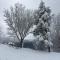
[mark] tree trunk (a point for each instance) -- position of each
(48, 48)
(21, 42)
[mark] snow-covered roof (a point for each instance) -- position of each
(30, 37)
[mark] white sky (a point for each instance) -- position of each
(31, 4)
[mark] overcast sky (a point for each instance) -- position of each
(31, 4)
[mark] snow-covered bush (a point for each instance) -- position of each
(11, 43)
(39, 42)
(42, 44)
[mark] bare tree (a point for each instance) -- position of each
(19, 21)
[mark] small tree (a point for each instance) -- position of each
(19, 21)
(42, 20)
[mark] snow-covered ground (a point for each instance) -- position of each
(9, 53)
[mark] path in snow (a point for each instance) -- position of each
(9, 53)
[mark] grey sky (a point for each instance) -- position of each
(31, 4)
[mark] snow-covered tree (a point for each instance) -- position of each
(42, 19)
(19, 20)
(56, 41)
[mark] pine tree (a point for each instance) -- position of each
(42, 21)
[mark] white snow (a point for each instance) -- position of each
(30, 37)
(9, 53)
(32, 28)
(39, 37)
(48, 43)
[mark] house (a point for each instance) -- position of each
(28, 41)
(31, 41)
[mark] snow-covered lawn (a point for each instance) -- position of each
(9, 53)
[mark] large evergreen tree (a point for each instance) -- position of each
(42, 19)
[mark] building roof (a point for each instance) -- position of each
(30, 37)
